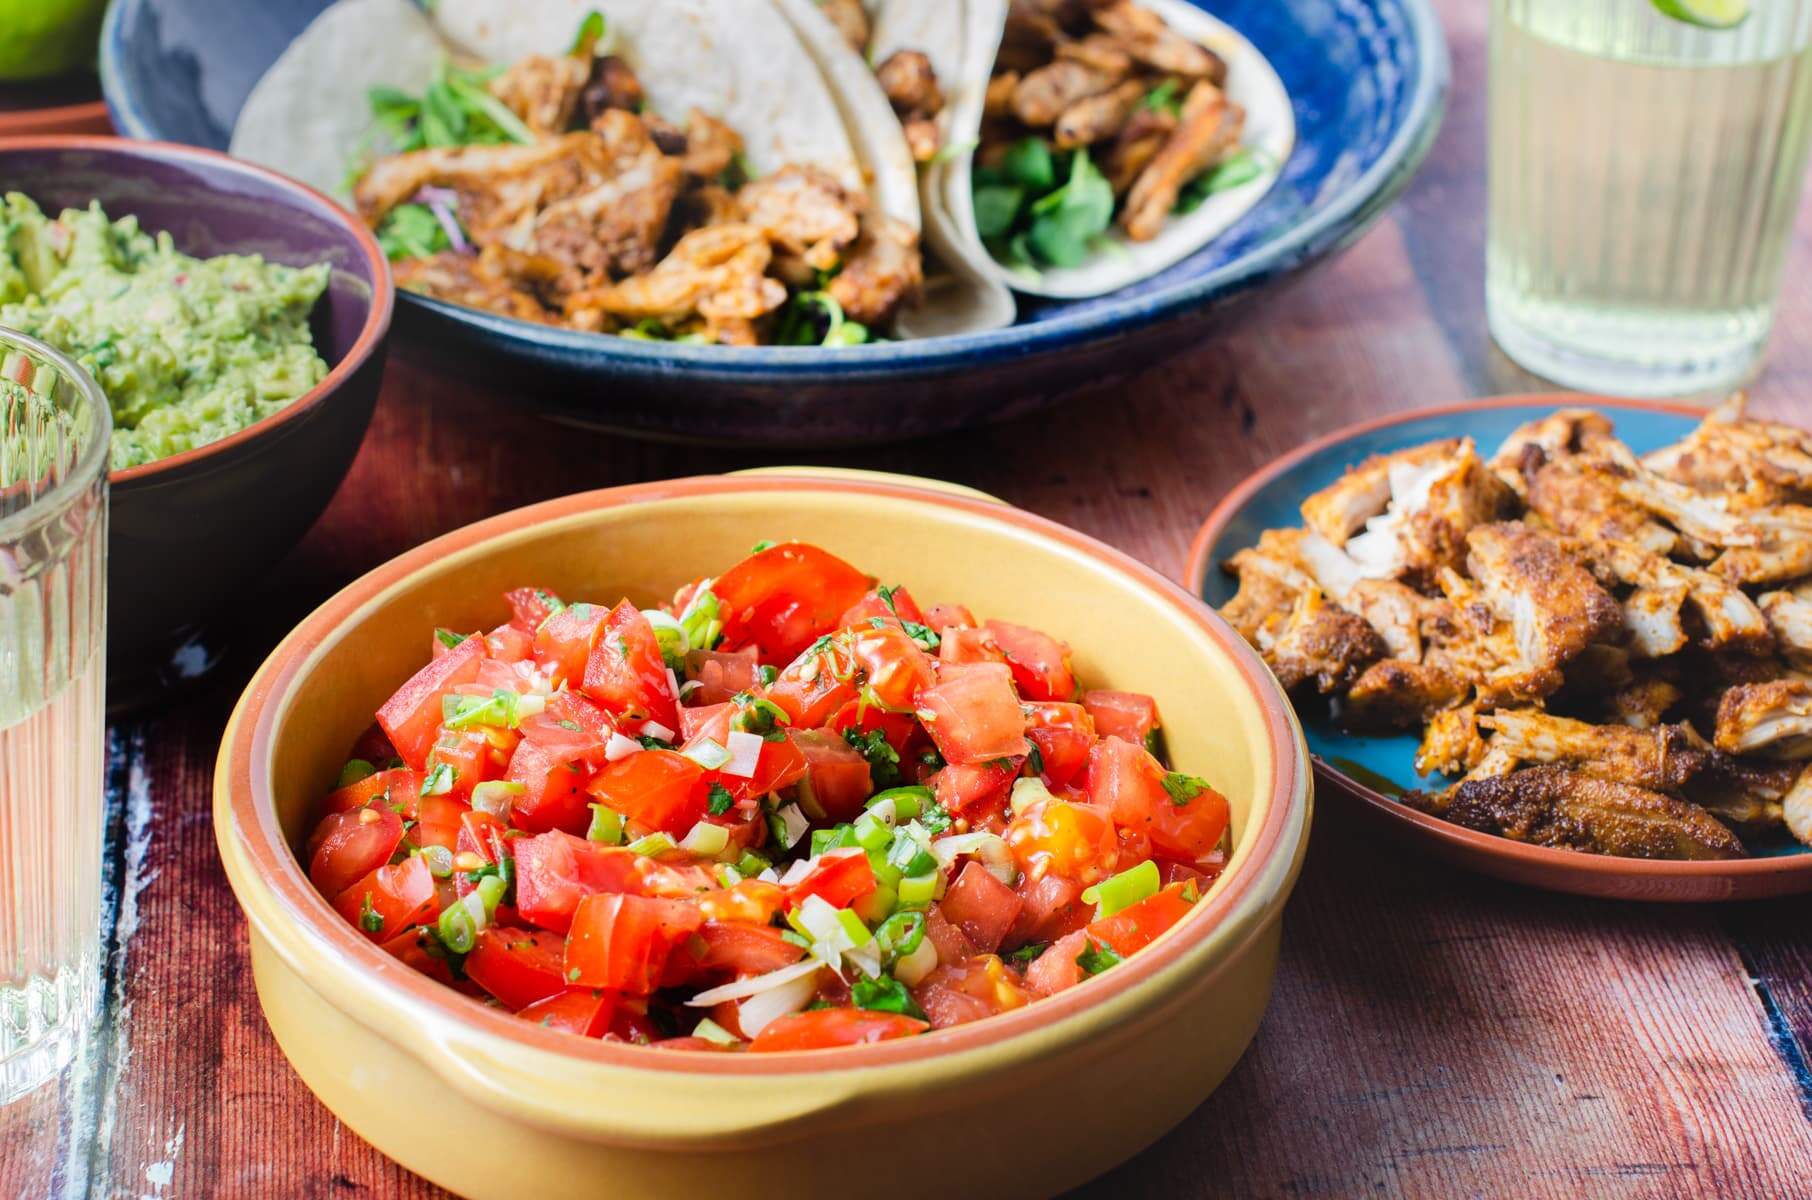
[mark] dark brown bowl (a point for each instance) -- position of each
(191, 534)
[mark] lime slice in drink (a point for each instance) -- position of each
(1712, 14)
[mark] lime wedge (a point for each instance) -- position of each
(1711, 14)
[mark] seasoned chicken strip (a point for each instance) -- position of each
(1206, 127)
(1555, 436)
(1796, 808)
(1043, 95)
(1147, 38)
(1322, 642)
(1772, 719)
(543, 91)
(1415, 507)
(1731, 619)
(1552, 806)
(1553, 604)
(882, 271)
(1451, 744)
(1643, 703)
(1098, 118)
(1661, 759)
(803, 212)
(1578, 496)
(1651, 617)
(717, 273)
(1744, 791)
(1400, 695)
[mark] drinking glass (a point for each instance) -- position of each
(54, 436)
(1643, 180)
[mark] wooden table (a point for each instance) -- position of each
(1432, 1034)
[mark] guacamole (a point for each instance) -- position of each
(187, 350)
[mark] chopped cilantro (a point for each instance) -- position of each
(721, 800)
(1026, 954)
(883, 759)
(1183, 788)
(370, 920)
(440, 779)
(652, 743)
(884, 994)
(448, 638)
(1034, 761)
(1098, 958)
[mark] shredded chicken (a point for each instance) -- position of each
(717, 274)
(1660, 759)
(851, 20)
(1771, 719)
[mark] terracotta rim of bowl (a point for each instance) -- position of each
(85, 118)
(1536, 861)
(245, 757)
(377, 319)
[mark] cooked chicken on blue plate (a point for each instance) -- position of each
(1602, 652)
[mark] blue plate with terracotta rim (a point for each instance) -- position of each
(1373, 770)
(1368, 79)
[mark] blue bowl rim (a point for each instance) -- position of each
(1793, 871)
(371, 333)
(1401, 155)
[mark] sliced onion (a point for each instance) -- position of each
(990, 848)
(741, 989)
(620, 747)
(799, 870)
(912, 968)
(796, 824)
(758, 1012)
(745, 753)
(655, 729)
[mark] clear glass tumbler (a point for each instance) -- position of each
(55, 431)
(1644, 176)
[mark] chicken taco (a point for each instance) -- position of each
(680, 171)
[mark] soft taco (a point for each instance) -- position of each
(681, 170)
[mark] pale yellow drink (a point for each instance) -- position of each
(53, 549)
(1644, 178)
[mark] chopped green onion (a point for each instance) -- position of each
(705, 840)
(871, 833)
(1123, 890)
(606, 826)
(355, 770)
(837, 837)
(714, 1033)
(495, 796)
(707, 754)
(439, 860)
(497, 710)
(702, 620)
(439, 780)
(876, 906)
(901, 933)
(370, 919)
(670, 636)
(908, 802)
(489, 891)
(654, 845)
(458, 925)
(448, 638)
(758, 715)
(1027, 791)
(591, 32)
(919, 889)
(751, 864)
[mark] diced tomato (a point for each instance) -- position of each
(374, 746)
(389, 900)
(968, 789)
(968, 646)
(411, 718)
(571, 728)
(657, 789)
(584, 1011)
(625, 672)
(969, 991)
(564, 641)
(872, 607)
(555, 871)
(439, 821)
(475, 755)
(1057, 837)
(823, 1028)
(347, 846)
(706, 724)
(553, 793)
(518, 966)
(529, 607)
(633, 1024)
(975, 716)
(1130, 716)
(365, 791)
(411, 950)
(753, 901)
(721, 675)
(948, 616)
(1050, 908)
(483, 835)
(1063, 755)
(1129, 783)
(837, 776)
(814, 685)
(894, 667)
(840, 879)
(952, 944)
(1041, 663)
(780, 765)
(743, 949)
(981, 906)
(781, 598)
(1136, 926)
(1176, 872)
(622, 942)
(509, 644)
(1057, 967)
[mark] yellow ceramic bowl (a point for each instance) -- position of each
(1026, 1103)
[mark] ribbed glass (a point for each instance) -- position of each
(54, 433)
(1644, 175)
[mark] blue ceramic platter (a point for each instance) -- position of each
(1378, 768)
(1368, 79)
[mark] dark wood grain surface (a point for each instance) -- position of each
(1432, 1034)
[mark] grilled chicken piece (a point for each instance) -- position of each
(851, 20)
(1773, 719)
(1138, 143)
(543, 91)
(1451, 744)
(1744, 791)
(1042, 95)
(1771, 544)
(1395, 611)
(1643, 703)
(1553, 605)
(910, 83)
(1651, 617)
(1763, 462)
(1207, 126)
(1098, 50)
(392, 180)
(1323, 642)
(1789, 616)
(469, 280)
(1415, 506)
(711, 145)
(1789, 558)
(1400, 695)
(1269, 583)
(1466, 639)
(1577, 496)
(1566, 432)
(1147, 38)
(1098, 117)
(803, 212)
(1732, 621)
(1796, 808)
(1553, 806)
(1661, 759)
(718, 273)
(882, 271)
(998, 103)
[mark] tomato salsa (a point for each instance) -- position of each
(789, 809)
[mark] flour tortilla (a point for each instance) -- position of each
(736, 60)
(308, 115)
(1270, 133)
